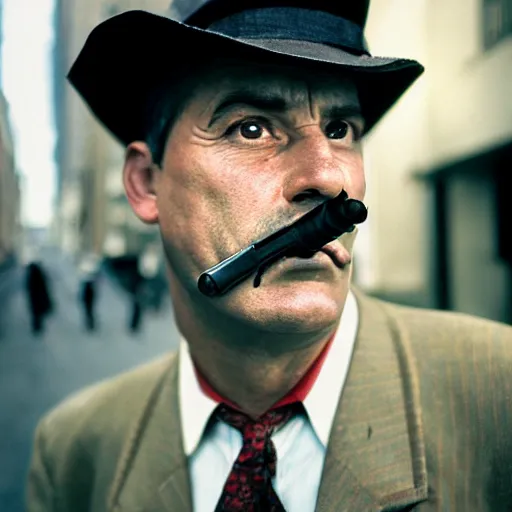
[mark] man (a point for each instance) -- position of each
(299, 394)
(88, 290)
(38, 294)
(88, 296)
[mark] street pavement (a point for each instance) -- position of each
(36, 373)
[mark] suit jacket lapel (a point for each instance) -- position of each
(375, 458)
(152, 475)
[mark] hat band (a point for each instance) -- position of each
(293, 23)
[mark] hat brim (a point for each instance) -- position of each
(127, 56)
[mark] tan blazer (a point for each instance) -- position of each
(424, 423)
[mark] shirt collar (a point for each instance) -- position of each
(322, 401)
(196, 408)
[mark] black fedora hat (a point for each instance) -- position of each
(326, 33)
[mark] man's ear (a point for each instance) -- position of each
(139, 181)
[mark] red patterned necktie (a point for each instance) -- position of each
(249, 485)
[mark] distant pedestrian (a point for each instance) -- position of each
(88, 297)
(89, 270)
(38, 294)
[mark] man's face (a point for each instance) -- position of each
(255, 148)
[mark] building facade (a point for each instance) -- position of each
(92, 216)
(438, 165)
(1, 38)
(10, 228)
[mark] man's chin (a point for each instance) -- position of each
(293, 307)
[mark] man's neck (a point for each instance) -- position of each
(253, 370)
(254, 381)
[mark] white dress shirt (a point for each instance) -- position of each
(300, 444)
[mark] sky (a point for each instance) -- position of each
(27, 85)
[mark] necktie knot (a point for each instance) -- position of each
(260, 427)
(249, 487)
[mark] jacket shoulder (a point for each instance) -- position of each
(460, 366)
(462, 361)
(451, 332)
(78, 443)
(109, 404)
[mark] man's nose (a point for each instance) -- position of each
(314, 171)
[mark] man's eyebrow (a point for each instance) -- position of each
(252, 99)
(343, 111)
(276, 103)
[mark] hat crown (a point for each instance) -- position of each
(203, 13)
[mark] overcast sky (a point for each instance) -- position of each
(27, 85)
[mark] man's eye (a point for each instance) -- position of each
(338, 129)
(251, 130)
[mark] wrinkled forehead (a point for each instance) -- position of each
(298, 85)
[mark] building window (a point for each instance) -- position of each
(497, 21)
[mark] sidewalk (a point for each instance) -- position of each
(38, 372)
(10, 280)
(8, 271)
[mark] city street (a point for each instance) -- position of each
(37, 372)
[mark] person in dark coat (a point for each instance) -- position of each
(39, 299)
(88, 300)
(89, 270)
